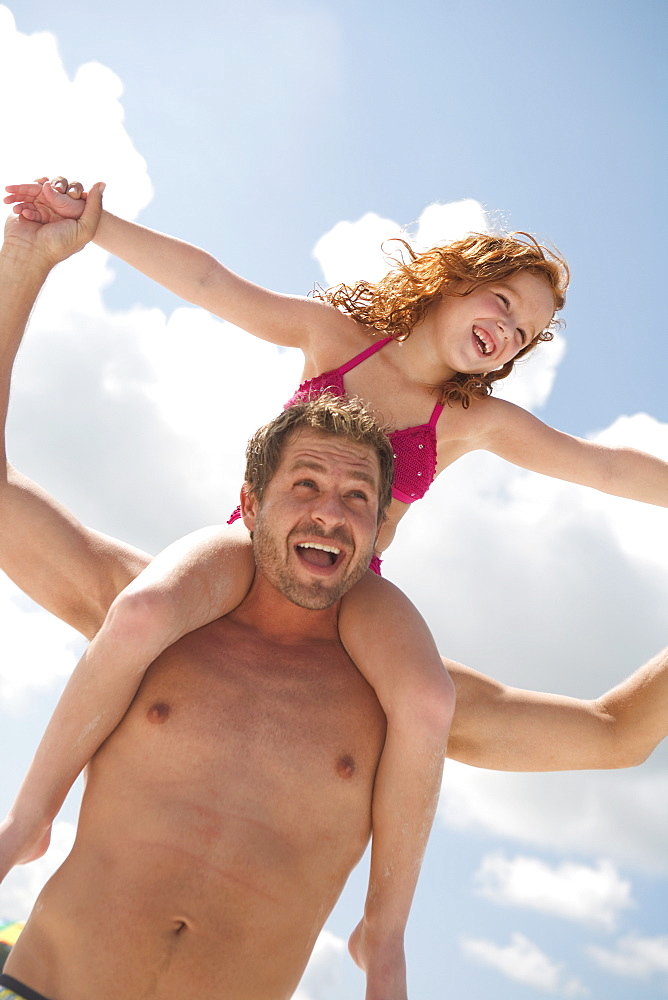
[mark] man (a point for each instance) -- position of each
(224, 814)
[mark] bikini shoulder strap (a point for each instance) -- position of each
(359, 358)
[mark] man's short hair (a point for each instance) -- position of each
(336, 415)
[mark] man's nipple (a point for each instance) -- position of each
(345, 766)
(158, 712)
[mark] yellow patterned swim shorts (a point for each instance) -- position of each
(10, 986)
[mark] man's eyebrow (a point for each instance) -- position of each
(311, 463)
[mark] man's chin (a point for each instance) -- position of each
(318, 594)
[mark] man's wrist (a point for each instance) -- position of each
(26, 259)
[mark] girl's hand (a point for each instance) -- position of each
(47, 200)
(40, 233)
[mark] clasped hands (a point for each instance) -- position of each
(51, 219)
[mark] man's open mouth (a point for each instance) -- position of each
(318, 554)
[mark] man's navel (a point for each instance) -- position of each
(158, 712)
(345, 766)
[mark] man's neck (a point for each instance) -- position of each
(270, 612)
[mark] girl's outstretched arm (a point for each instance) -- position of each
(520, 438)
(394, 650)
(189, 272)
(192, 582)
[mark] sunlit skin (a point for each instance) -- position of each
(315, 529)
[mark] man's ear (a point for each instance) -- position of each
(249, 505)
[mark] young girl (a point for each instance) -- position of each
(423, 346)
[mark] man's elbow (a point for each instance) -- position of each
(625, 745)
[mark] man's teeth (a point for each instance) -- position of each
(323, 548)
(331, 552)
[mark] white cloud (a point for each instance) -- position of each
(80, 133)
(351, 251)
(440, 223)
(640, 532)
(585, 812)
(635, 956)
(38, 650)
(593, 895)
(24, 883)
(524, 962)
(325, 968)
(530, 383)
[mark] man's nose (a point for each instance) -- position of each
(328, 510)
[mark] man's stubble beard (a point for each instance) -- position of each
(270, 559)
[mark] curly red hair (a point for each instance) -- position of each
(399, 301)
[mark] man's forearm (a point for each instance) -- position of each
(22, 275)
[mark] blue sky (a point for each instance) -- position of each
(257, 130)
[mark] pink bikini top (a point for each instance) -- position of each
(414, 447)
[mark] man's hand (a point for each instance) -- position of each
(37, 231)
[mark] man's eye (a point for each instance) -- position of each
(306, 482)
(358, 495)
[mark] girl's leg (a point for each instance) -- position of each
(394, 650)
(194, 581)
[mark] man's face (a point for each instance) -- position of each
(314, 532)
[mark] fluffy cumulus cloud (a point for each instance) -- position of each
(367, 247)
(594, 895)
(623, 814)
(38, 651)
(326, 967)
(635, 957)
(524, 962)
(81, 130)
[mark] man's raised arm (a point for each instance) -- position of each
(72, 571)
(68, 569)
(509, 729)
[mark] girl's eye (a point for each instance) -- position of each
(503, 298)
(523, 336)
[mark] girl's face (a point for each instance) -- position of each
(482, 331)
